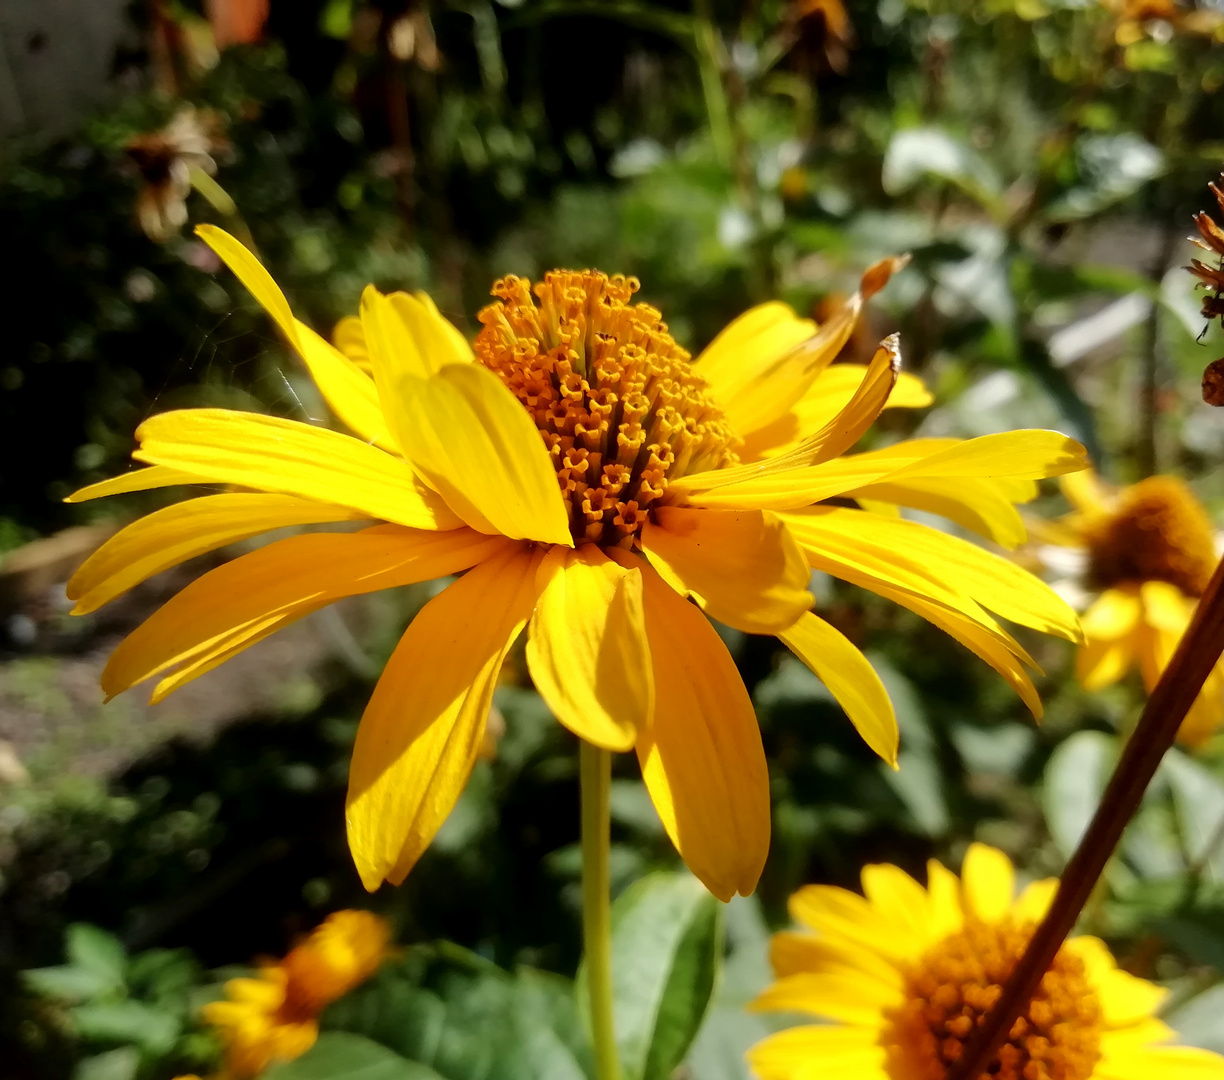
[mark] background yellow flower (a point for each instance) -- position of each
(1150, 551)
(905, 972)
(274, 1016)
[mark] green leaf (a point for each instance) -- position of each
(1074, 780)
(339, 1055)
(159, 973)
(667, 951)
(1111, 167)
(69, 983)
(1198, 798)
(929, 151)
(467, 1019)
(92, 948)
(120, 1064)
(155, 1030)
(1197, 1021)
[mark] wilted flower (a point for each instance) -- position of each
(825, 34)
(165, 159)
(905, 974)
(274, 1016)
(589, 479)
(1137, 19)
(1150, 551)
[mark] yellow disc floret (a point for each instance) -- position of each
(618, 405)
(952, 987)
(1158, 531)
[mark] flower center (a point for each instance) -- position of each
(1157, 532)
(618, 405)
(952, 988)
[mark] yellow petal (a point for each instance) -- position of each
(792, 952)
(348, 390)
(1035, 900)
(702, 759)
(840, 915)
(993, 582)
(403, 339)
(155, 476)
(180, 532)
(865, 404)
(345, 387)
(980, 635)
(981, 506)
(472, 442)
(424, 724)
(989, 882)
(216, 651)
(829, 394)
(1085, 491)
(836, 385)
(1166, 607)
(1162, 1063)
(1206, 715)
(749, 346)
(1113, 615)
(349, 338)
(850, 998)
(1126, 999)
(587, 650)
(405, 336)
(1023, 455)
(267, 453)
(1133, 1036)
(1099, 664)
(899, 899)
(850, 679)
(743, 567)
(838, 435)
(765, 361)
(944, 890)
(437, 337)
(811, 1051)
(846, 547)
(250, 271)
(286, 577)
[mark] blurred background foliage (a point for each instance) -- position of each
(1038, 158)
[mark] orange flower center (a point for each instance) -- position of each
(952, 988)
(1157, 532)
(616, 400)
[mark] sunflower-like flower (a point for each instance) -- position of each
(905, 974)
(590, 480)
(1150, 551)
(274, 1016)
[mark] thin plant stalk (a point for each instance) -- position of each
(595, 778)
(1196, 654)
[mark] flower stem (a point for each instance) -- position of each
(595, 774)
(1197, 653)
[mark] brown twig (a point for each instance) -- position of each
(1180, 683)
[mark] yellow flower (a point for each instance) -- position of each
(274, 1016)
(905, 973)
(1150, 553)
(589, 479)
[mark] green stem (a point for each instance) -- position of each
(595, 772)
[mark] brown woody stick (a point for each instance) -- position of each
(1170, 700)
